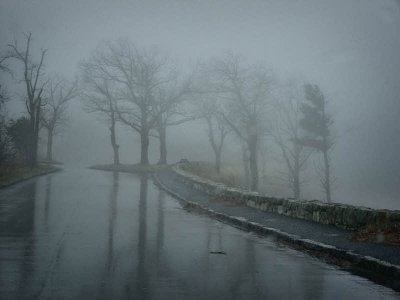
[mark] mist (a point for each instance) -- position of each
(349, 48)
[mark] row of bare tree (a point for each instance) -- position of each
(140, 88)
(248, 101)
(144, 90)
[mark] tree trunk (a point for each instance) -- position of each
(37, 127)
(49, 152)
(162, 131)
(217, 149)
(296, 173)
(253, 163)
(116, 154)
(327, 183)
(327, 179)
(245, 160)
(34, 134)
(144, 144)
(296, 186)
(218, 153)
(31, 158)
(114, 144)
(31, 134)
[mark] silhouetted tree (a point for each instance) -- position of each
(3, 95)
(54, 113)
(217, 128)
(287, 132)
(6, 147)
(246, 91)
(317, 123)
(169, 110)
(99, 96)
(3, 99)
(137, 74)
(32, 73)
(20, 132)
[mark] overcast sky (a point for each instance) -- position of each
(350, 48)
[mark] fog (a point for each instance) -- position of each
(349, 48)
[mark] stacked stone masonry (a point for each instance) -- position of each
(340, 215)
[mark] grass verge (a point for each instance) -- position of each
(126, 168)
(228, 175)
(386, 233)
(12, 174)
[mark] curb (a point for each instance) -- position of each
(372, 268)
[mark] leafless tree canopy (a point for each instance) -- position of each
(146, 94)
(287, 131)
(59, 92)
(34, 84)
(100, 94)
(246, 91)
(208, 108)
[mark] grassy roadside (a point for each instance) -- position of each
(228, 175)
(379, 233)
(127, 168)
(15, 173)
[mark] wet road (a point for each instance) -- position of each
(86, 234)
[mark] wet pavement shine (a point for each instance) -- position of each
(87, 234)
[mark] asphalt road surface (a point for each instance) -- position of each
(87, 234)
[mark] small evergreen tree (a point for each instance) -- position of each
(19, 132)
(7, 153)
(317, 124)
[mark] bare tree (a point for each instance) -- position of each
(169, 110)
(217, 129)
(246, 90)
(287, 132)
(53, 116)
(245, 161)
(99, 96)
(137, 74)
(32, 74)
(318, 125)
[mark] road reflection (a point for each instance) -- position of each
(85, 234)
(112, 223)
(160, 229)
(142, 276)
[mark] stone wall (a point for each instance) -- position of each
(340, 215)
